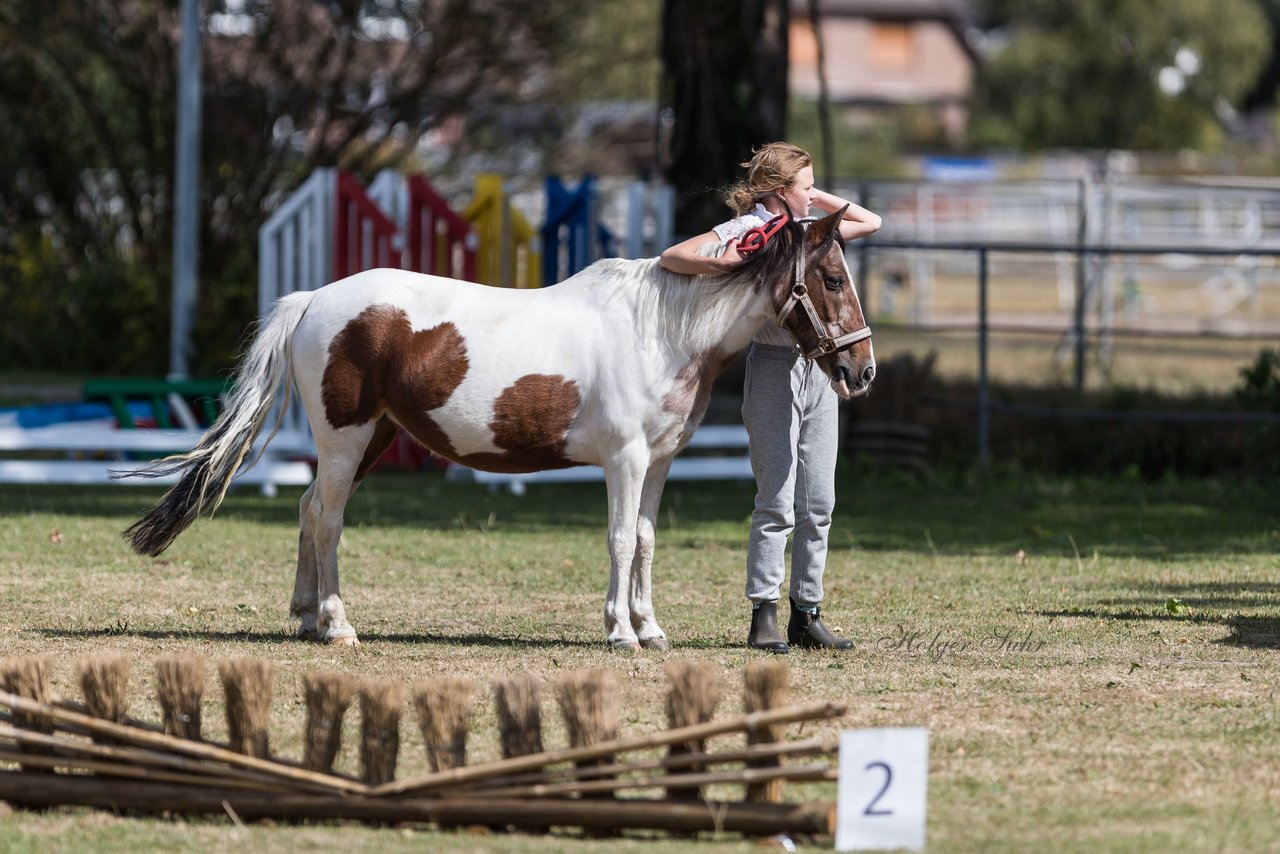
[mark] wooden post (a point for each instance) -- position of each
(754, 819)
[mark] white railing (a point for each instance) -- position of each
(295, 245)
(95, 451)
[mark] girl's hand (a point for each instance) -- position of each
(730, 259)
(857, 222)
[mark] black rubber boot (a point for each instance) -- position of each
(806, 630)
(764, 629)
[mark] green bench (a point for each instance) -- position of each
(200, 396)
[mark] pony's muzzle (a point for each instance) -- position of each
(849, 384)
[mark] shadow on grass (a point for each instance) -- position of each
(1209, 594)
(367, 636)
(1253, 632)
(275, 638)
(1245, 632)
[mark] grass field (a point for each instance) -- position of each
(1141, 716)
(1170, 365)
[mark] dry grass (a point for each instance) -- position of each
(1095, 661)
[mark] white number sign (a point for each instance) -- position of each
(880, 796)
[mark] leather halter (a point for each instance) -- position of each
(800, 295)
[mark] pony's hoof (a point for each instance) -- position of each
(659, 643)
(308, 634)
(345, 640)
(624, 645)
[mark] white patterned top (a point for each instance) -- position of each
(739, 226)
(770, 333)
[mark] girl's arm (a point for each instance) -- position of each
(684, 257)
(857, 222)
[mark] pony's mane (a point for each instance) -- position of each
(694, 312)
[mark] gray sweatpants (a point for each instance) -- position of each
(792, 417)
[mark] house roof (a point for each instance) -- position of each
(891, 9)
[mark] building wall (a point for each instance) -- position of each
(881, 62)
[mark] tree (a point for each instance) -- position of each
(87, 100)
(1264, 93)
(1125, 74)
(725, 84)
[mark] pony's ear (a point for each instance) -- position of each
(823, 230)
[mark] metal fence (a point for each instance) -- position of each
(1078, 331)
(1147, 289)
(1087, 260)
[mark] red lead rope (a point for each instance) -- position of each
(758, 238)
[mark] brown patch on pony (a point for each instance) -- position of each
(377, 362)
(531, 421)
(425, 377)
(380, 369)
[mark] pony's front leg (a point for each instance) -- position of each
(624, 478)
(305, 604)
(643, 618)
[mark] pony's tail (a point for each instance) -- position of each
(207, 469)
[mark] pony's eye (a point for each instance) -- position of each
(835, 283)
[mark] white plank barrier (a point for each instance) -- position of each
(94, 450)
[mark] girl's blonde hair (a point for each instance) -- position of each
(773, 167)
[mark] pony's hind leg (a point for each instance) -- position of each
(339, 454)
(643, 618)
(305, 604)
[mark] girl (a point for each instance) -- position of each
(789, 409)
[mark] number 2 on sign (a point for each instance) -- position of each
(880, 797)
(888, 778)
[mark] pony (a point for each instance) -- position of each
(611, 367)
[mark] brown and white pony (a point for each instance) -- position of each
(612, 367)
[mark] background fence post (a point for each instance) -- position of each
(984, 391)
(864, 255)
(1082, 282)
(506, 250)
